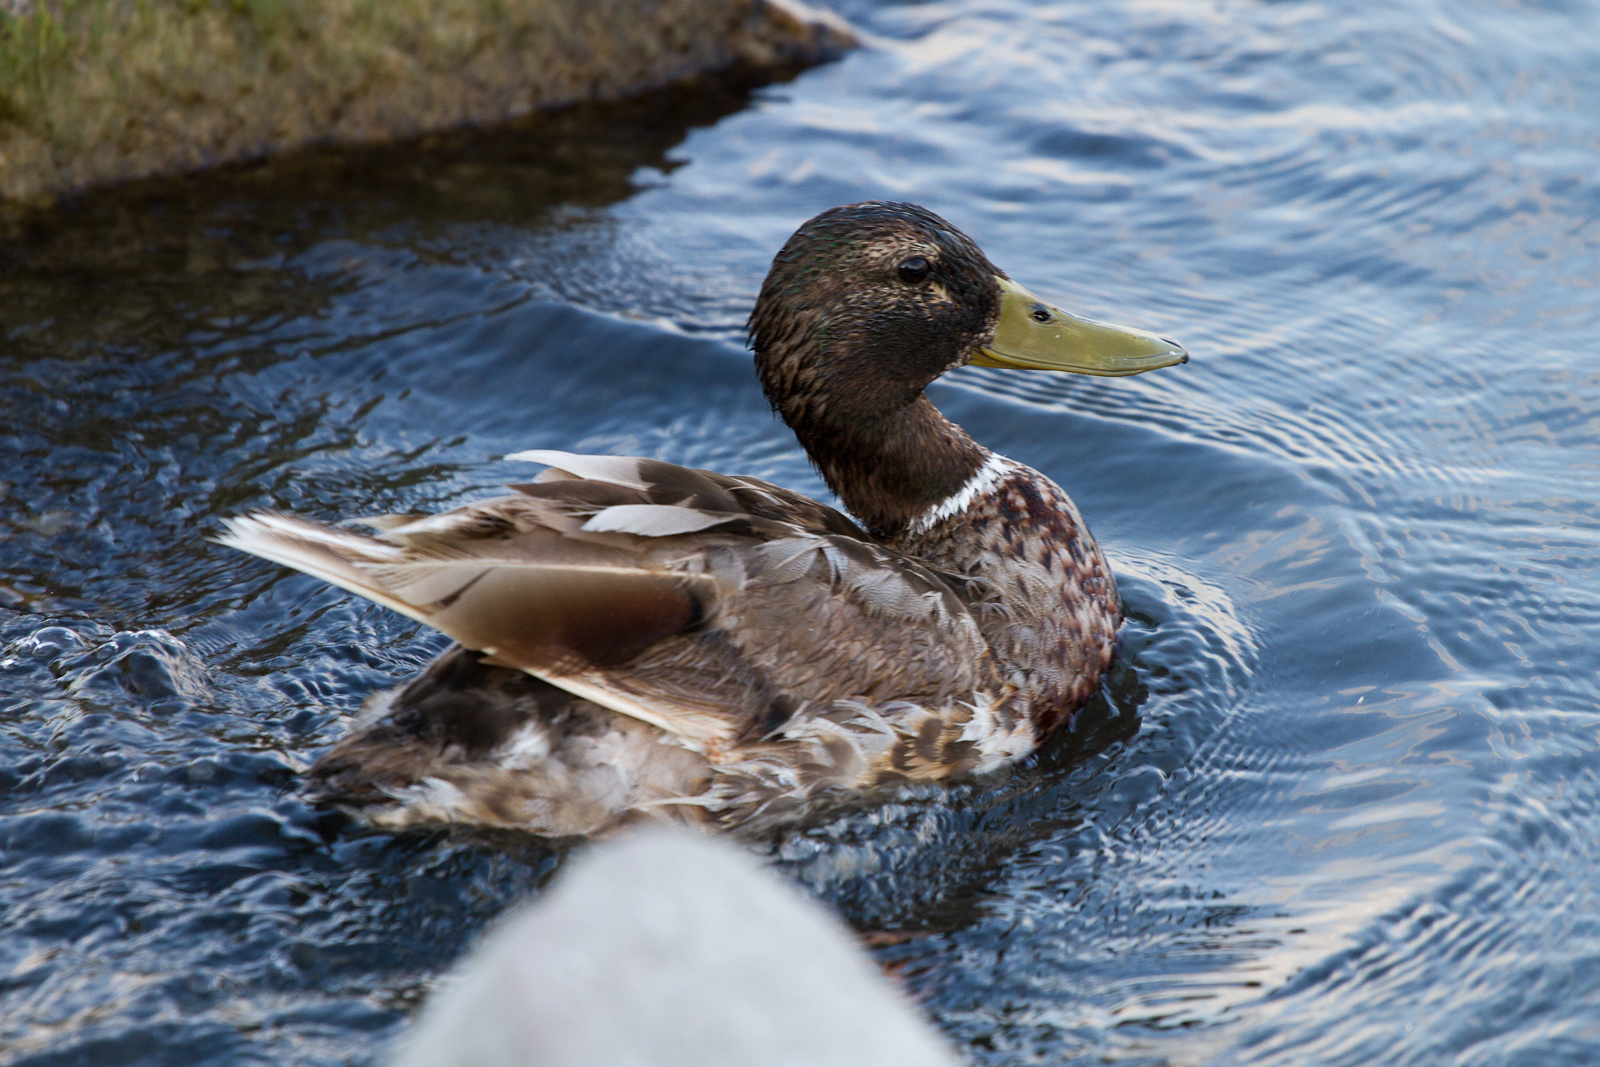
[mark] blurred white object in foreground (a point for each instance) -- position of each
(666, 949)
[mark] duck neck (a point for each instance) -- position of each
(893, 469)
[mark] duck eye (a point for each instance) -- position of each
(913, 270)
(1040, 313)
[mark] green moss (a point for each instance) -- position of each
(32, 48)
(94, 91)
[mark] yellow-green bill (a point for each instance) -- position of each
(1036, 336)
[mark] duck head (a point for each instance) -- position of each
(865, 306)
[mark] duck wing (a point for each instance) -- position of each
(718, 609)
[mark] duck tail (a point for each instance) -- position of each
(335, 554)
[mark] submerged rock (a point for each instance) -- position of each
(102, 91)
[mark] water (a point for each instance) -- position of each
(1339, 804)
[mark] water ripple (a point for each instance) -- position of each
(1335, 803)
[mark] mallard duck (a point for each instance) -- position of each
(640, 640)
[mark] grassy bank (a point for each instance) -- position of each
(97, 91)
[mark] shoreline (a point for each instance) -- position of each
(98, 92)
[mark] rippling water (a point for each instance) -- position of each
(1338, 805)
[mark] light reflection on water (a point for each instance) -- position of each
(1339, 803)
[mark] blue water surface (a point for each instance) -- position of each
(1340, 802)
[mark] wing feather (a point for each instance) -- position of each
(654, 520)
(617, 470)
(714, 608)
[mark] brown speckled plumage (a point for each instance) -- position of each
(1053, 620)
(640, 640)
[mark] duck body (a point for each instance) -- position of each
(639, 640)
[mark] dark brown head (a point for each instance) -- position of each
(869, 303)
(864, 306)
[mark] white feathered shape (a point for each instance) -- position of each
(671, 950)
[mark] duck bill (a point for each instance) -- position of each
(1033, 335)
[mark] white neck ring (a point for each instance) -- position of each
(982, 483)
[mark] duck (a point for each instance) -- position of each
(637, 641)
